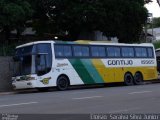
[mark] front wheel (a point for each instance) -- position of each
(128, 79)
(138, 79)
(62, 83)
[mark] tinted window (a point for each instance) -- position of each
(63, 51)
(44, 58)
(67, 51)
(59, 51)
(127, 52)
(150, 52)
(141, 52)
(24, 50)
(98, 51)
(113, 52)
(81, 51)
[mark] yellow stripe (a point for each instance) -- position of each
(106, 74)
(117, 74)
(83, 41)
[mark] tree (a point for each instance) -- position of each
(125, 19)
(121, 18)
(156, 22)
(13, 15)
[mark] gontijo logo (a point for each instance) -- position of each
(120, 62)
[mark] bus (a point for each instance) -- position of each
(45, 64)
(157, 51)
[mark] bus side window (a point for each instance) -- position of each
(81, 51)
(117, 52)
(77, 51)
(110, 51)
(44, 58)
(101, 51)
(67, 51)
(85, 51)
(144, 52)
(58, 50)
(127, 52)
(141, 52)
(113, 52)
(94, 51)
(150, 52)
(98, 51)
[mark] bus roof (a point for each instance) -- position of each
(85, 42)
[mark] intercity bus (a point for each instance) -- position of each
(45, 64)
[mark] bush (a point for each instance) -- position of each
(7, 50)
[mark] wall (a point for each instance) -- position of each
(5, 74)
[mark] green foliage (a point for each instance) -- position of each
(121, 18)
(156, 22)
(13, 15)
(156, 44)
(7, 50)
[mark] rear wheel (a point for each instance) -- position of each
(138, 78)
(128, 79)
(62, 83)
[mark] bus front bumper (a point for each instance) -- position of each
(23, 84)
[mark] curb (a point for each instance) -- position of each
(7, 93)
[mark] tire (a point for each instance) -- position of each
(138, 78)
(62, 83)
(128, 79)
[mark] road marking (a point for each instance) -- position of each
(87, 97)
(141, 92)
(9, 105)
(82, 92)
(124, 110)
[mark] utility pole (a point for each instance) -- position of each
(158, 1)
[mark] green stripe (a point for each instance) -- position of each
(82, 71)
(92, 71)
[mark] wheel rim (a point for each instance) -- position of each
(62, 84)
(138, 78)
(128, 79)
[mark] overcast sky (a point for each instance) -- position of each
(154, 8)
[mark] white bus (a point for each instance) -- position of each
(45, 64)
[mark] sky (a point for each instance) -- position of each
(153, 8)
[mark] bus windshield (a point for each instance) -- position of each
(35, 59)
(24, 61)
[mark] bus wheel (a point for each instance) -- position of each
(138, 78)
(62, 83)
(128, 79)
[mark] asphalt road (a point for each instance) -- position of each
(119, 99)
